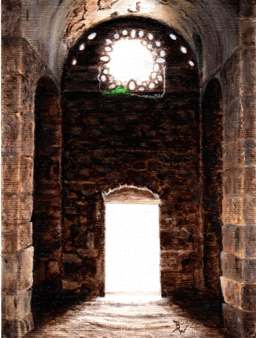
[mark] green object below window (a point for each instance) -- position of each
(119, 90)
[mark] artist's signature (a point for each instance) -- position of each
(181, 327)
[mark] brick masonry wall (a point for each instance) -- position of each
(113, 141)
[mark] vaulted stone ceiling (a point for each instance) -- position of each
(59, 23)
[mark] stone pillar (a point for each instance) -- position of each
(17, 173)
(239, 204)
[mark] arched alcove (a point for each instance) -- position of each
(135, 140)
(46, 217)
(212, 143)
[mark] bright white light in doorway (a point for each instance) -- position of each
(129, 59)
(132, 257)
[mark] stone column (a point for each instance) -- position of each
(17, 173)
(239, 204)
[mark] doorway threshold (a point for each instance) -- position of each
(132, 298)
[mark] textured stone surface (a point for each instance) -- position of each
(239, 240)
(18, 270)
(50, 28)
(105, 319)
(21, 71)
(17, 327)
(240, 323)
(46, 216)
(17, 306)
(18, 129)
(137, 141)
(240, 295)
(11, 23)
(239, 269)
(60, 24)
(238, 258)
(212, 170)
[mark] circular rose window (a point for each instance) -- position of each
(132, 61)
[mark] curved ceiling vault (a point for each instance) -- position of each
(58, 24)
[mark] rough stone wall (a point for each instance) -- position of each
(11, 24)
(21, 71)
(92, 167)
(113, 141)
(212, 172)
(47, 216)
(239, 234)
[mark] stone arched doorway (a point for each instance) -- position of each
(132, 244)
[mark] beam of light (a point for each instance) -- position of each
(132, 257)
(129, 59)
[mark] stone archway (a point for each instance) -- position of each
(132, 245)
(130, 140)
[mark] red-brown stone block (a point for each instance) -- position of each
(18, 270)
(233, 210)
(233, 155)
(249, 210)
(17, 306)
(247, 9)
(233, 179)
(238, 269)
(239, 240)
(248, 124)
(240, 295)
(248, 32)
(239, 323)
(232, 118)
(248, 76)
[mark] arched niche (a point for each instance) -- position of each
(46, 217)
(141, 141)
(212, 170)
(85, 58)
